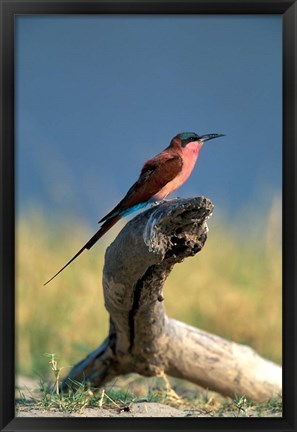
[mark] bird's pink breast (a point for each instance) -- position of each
(189, 155)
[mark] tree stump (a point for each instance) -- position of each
(142, 338)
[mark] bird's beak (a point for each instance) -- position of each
(208, 137)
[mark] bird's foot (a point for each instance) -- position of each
(156, 203)
(161, 201)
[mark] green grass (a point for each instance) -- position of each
(231, 288)
(80, 395)
(120, 395)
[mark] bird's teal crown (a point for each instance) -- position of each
(187, 137)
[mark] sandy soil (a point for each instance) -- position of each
(143, 409)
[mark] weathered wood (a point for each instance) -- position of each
(142, 338)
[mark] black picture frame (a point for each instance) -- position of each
(9, 9)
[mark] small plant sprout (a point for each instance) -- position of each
(240, 403)
(54, 367)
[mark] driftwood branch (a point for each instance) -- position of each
(142, 338)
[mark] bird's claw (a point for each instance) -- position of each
(158, 202)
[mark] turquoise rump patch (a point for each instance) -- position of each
(133, 209)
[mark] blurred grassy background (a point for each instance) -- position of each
(232, 288)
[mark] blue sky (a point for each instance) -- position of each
(96, 96)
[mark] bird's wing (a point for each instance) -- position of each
(155, 174)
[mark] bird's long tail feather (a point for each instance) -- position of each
(104, 228)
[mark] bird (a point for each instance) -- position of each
(159, 177)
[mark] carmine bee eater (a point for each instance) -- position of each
(159, 177)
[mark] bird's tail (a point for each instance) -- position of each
(104, 228)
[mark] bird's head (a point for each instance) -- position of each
(184, 138)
